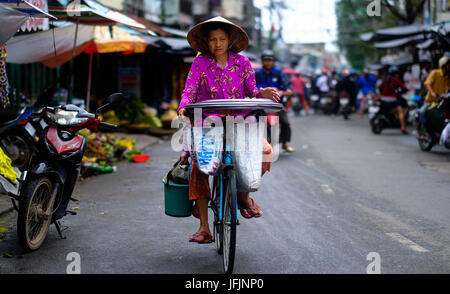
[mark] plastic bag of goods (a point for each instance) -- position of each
(445, 137)
(248, 156)
(207, 148)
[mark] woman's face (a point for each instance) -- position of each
(218, 42)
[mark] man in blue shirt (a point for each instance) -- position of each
(367, 84)
(269, 76)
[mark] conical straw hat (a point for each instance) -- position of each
(198, 41)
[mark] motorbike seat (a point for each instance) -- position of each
(9, 115)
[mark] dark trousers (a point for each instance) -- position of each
(284, 131)
(285, 127)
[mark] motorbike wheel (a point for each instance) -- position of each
(35, 213)
(426, 141)
(377, 126)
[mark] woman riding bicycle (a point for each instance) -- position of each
(219, 72)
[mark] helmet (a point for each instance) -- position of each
(345, 73)
(325, 70)
(267, 54)
(444, 61)
(393, 70)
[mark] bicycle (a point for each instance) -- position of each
(223, 203)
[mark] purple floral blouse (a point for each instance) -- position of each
(207, 80)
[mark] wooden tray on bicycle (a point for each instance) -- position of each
(266, 105)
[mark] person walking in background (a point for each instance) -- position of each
(271, 77)
(299, 85)
(367, 85)
(4, 86)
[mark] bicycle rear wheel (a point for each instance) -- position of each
(229, 221)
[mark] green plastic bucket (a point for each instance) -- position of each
(176, 200)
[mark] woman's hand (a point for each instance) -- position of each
(270, 93)
(184, 157)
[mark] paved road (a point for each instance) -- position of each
(344, 194)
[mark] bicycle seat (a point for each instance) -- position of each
(9, 115)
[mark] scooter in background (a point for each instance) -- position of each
(436, 129)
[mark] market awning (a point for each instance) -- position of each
(399, 42)
(14, 14)
(12, 20)
(118, 41)
(404, 59)
(394, 33)
(26, 7)
(91, 13)
(39, 47)
(166, 42)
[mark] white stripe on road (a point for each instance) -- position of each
(405, 241)
(310, 162)
(326, 189)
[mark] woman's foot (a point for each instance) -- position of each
(250, 209)
(201, 237)
(404, 132)
(288, 149)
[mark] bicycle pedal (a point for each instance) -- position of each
(70, 212)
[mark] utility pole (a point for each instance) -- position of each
(163, 12)
(272, 25)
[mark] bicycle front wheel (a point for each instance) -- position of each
(229, 221)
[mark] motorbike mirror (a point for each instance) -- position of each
(116, 99)
(113, 100)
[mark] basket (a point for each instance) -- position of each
(176, 200)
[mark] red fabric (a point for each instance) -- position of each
(388, 87)
(298, 85)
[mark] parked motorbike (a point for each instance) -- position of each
(46, 153)
(297, 105)
(436, 129)
(383, 115)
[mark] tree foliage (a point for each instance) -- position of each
(353, 20)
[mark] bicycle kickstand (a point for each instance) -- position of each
(58, 228)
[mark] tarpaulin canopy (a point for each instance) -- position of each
(91, 13)
(290, 71)
(399, 42)
(394, 33)
(14, 14)
(12, 20)
(39, 47)
(404, 59)
(118, 41)
(172, 43)
(26, 7)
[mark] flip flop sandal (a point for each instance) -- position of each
(247, 213)
(201, 238)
